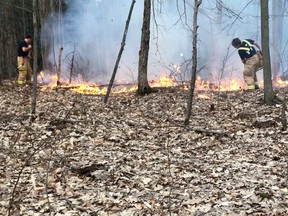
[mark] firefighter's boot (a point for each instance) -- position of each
(251, 87)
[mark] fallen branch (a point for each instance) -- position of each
(209, 132)
(13, 193)
(197, 130)
(87, 170)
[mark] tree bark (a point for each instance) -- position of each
(35, 62)
(143, 86)
(59, 67)
(269, 94)
(0, 77)
(278, 9)
(194, 63)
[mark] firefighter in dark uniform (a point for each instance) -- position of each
(24, 67)
(250, 58)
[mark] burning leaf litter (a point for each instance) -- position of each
(163, 81)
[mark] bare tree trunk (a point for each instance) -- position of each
(9, 41)
(0, 77)
(277, 30)
(194, 62)
(23, 18)
(269, 94)
(35, 60)
(120, 52)
(59, 66)
(143, 86)
(46, 9)
(1, 39)
(72, 66)
(283, 114)
(219, 5)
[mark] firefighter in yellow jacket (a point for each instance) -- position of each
(24, 67)
(250, 58)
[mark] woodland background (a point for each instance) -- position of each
(133, 155)
(216, 17)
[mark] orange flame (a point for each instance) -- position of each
(280, 83)
(164, 81)
(203, 96)
(87, 89)
(230, 85)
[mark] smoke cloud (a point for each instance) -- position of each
(91, 31)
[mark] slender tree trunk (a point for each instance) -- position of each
(72, 66)
(143, 86)
(0, 77)
(277, 30)
(194, 63)
(1, 39)
(23, 18)
(35, 62)
(269, 94)
(9, 42)
(59, 67)
(120, 52)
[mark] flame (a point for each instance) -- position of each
(228, 85)
(50, 82)
(280, 83)
(164, 81)
(41, 74)
(88, 89)
(203, 96)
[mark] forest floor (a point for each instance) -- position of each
(133, 155)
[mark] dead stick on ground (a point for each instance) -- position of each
(13, 193)
(171, 176)
(69, 111)
(209, 132)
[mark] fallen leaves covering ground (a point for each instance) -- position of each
(133, 156)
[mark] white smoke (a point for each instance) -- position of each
(93, 31)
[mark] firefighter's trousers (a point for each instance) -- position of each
(250, 68)
(25, 70)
